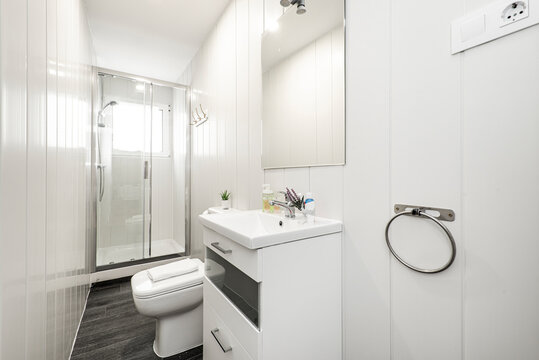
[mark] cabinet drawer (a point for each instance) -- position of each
(243, 329)
(219, 342)
(247, 260)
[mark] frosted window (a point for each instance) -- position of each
(132, 134)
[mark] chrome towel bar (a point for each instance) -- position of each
(421, 212)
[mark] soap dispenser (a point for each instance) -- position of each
(267, 196)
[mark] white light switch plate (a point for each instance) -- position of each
(492, 22)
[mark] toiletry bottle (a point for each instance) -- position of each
(267, 195)
(309, 207)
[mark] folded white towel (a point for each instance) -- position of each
(176, 268)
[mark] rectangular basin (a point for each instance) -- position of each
(255, 229)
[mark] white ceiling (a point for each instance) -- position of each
(152, 38)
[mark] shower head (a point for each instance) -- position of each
(112, 103)
(100, 123)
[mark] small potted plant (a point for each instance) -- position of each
(225, 199)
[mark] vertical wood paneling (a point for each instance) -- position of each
(62, 306)
(242, 105)
(36, 308)
(501, 171)
(326, 184)
(297, 178)
(44, 152)
(422, 127)
(13, 177)
(221, 145)
(420, 303)
(256, 175)
(227, 84)
(179, 136)
(366, 196)
(51, 183)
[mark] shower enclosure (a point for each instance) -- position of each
(141, 164)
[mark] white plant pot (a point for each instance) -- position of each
(226, 204)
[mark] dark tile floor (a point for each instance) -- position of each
(112, 329)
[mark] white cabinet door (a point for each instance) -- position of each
(219, 342)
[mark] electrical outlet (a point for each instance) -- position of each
(513, 12)
(500, 18)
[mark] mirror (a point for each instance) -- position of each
(303, 107)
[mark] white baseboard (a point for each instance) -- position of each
(127, 270)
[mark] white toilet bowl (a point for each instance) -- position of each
(176, 304)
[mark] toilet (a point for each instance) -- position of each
(176, 304)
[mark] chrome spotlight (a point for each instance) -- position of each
(301, 9)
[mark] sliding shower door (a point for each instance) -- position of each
(123, 171)
(167, 179)
(140, 171)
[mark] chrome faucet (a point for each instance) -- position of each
(285, 195)
(289, 206)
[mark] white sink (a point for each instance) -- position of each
(255, 229)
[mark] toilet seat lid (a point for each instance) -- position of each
(144, 288)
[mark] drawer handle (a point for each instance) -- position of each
(220, 248)
(215, 333)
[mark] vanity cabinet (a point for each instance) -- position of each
(276, 302)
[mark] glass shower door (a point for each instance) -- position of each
(141, 171)
(123, 171)
(165, 143)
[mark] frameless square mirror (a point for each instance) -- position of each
(303, 66)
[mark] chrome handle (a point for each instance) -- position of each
(225, 349)
(146, 170)
(101, 181)
(104, 182)
(220, 248)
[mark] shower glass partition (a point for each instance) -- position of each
(141, 154)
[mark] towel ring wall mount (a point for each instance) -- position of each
(421, 212)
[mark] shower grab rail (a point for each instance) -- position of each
(421, 211)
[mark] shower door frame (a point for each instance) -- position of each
(95, 95)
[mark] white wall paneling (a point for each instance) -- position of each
(179, 157)
(425, 114)
(13, 168)
(225, 78)
(423, 127)
(500, 170)
(45, 122)
(36, 185)
(430, 128)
